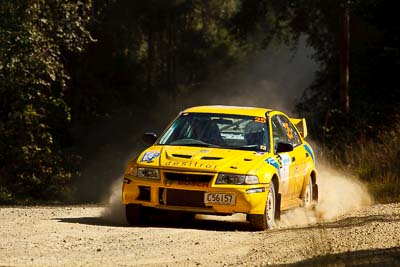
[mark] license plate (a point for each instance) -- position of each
(219, 198)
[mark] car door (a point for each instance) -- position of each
(284, 159)
(297, 157)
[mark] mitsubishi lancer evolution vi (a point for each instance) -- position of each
(223, 160)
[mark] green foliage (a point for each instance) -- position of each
(34, 117)
(147, 54)
(364, 138)
(374, 62)
(154, 50)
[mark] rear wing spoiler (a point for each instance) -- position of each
(301, 126)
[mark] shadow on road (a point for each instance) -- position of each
(219, 223)
(95, 221)
(373, 257)
(165, 222)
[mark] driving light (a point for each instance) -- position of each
(148, 173)
(225, 178)
(132, 171)
(255, 190)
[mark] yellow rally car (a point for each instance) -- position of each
(224, 160)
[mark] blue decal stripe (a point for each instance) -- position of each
(308, 149)
(272, 161)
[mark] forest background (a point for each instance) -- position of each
(81, 80)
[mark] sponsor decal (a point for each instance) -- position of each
(260, 119)
(308, 149)
(191, 164)
(285, 160)
(289, 130)
(284, 172)
(150, 155)
(190, 183)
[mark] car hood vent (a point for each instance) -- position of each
(182, 156)
(211, 158)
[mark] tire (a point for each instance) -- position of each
(265, 221)
(308, 199)
(135, 214)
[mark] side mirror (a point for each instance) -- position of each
(284, 147)
(149, 138)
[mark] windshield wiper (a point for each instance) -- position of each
(199, 145)
(191, 142)
(246, 147)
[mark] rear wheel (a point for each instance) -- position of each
(308, 200)
(266, 220)
(135, 214)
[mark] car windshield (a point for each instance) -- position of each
(218, 130)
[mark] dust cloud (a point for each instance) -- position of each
(114, 212)
(275, 78)
(338, 194)
(272, 78)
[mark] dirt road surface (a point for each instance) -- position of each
(345, 229)
(83, 236)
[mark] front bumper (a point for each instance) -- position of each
(188, 196)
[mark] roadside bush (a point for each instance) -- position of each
(34, 115)
(374, 161)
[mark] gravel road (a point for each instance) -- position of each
(82, 236)
(345, 225)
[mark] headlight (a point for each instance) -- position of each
(148, 173)
(225, 178)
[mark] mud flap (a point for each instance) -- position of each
(315, 193)
(278, 207)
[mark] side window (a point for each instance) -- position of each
(277, 132)
(291, 133)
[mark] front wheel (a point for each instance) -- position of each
(266, 220)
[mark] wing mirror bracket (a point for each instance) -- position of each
(149, 138)
(284, 147)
